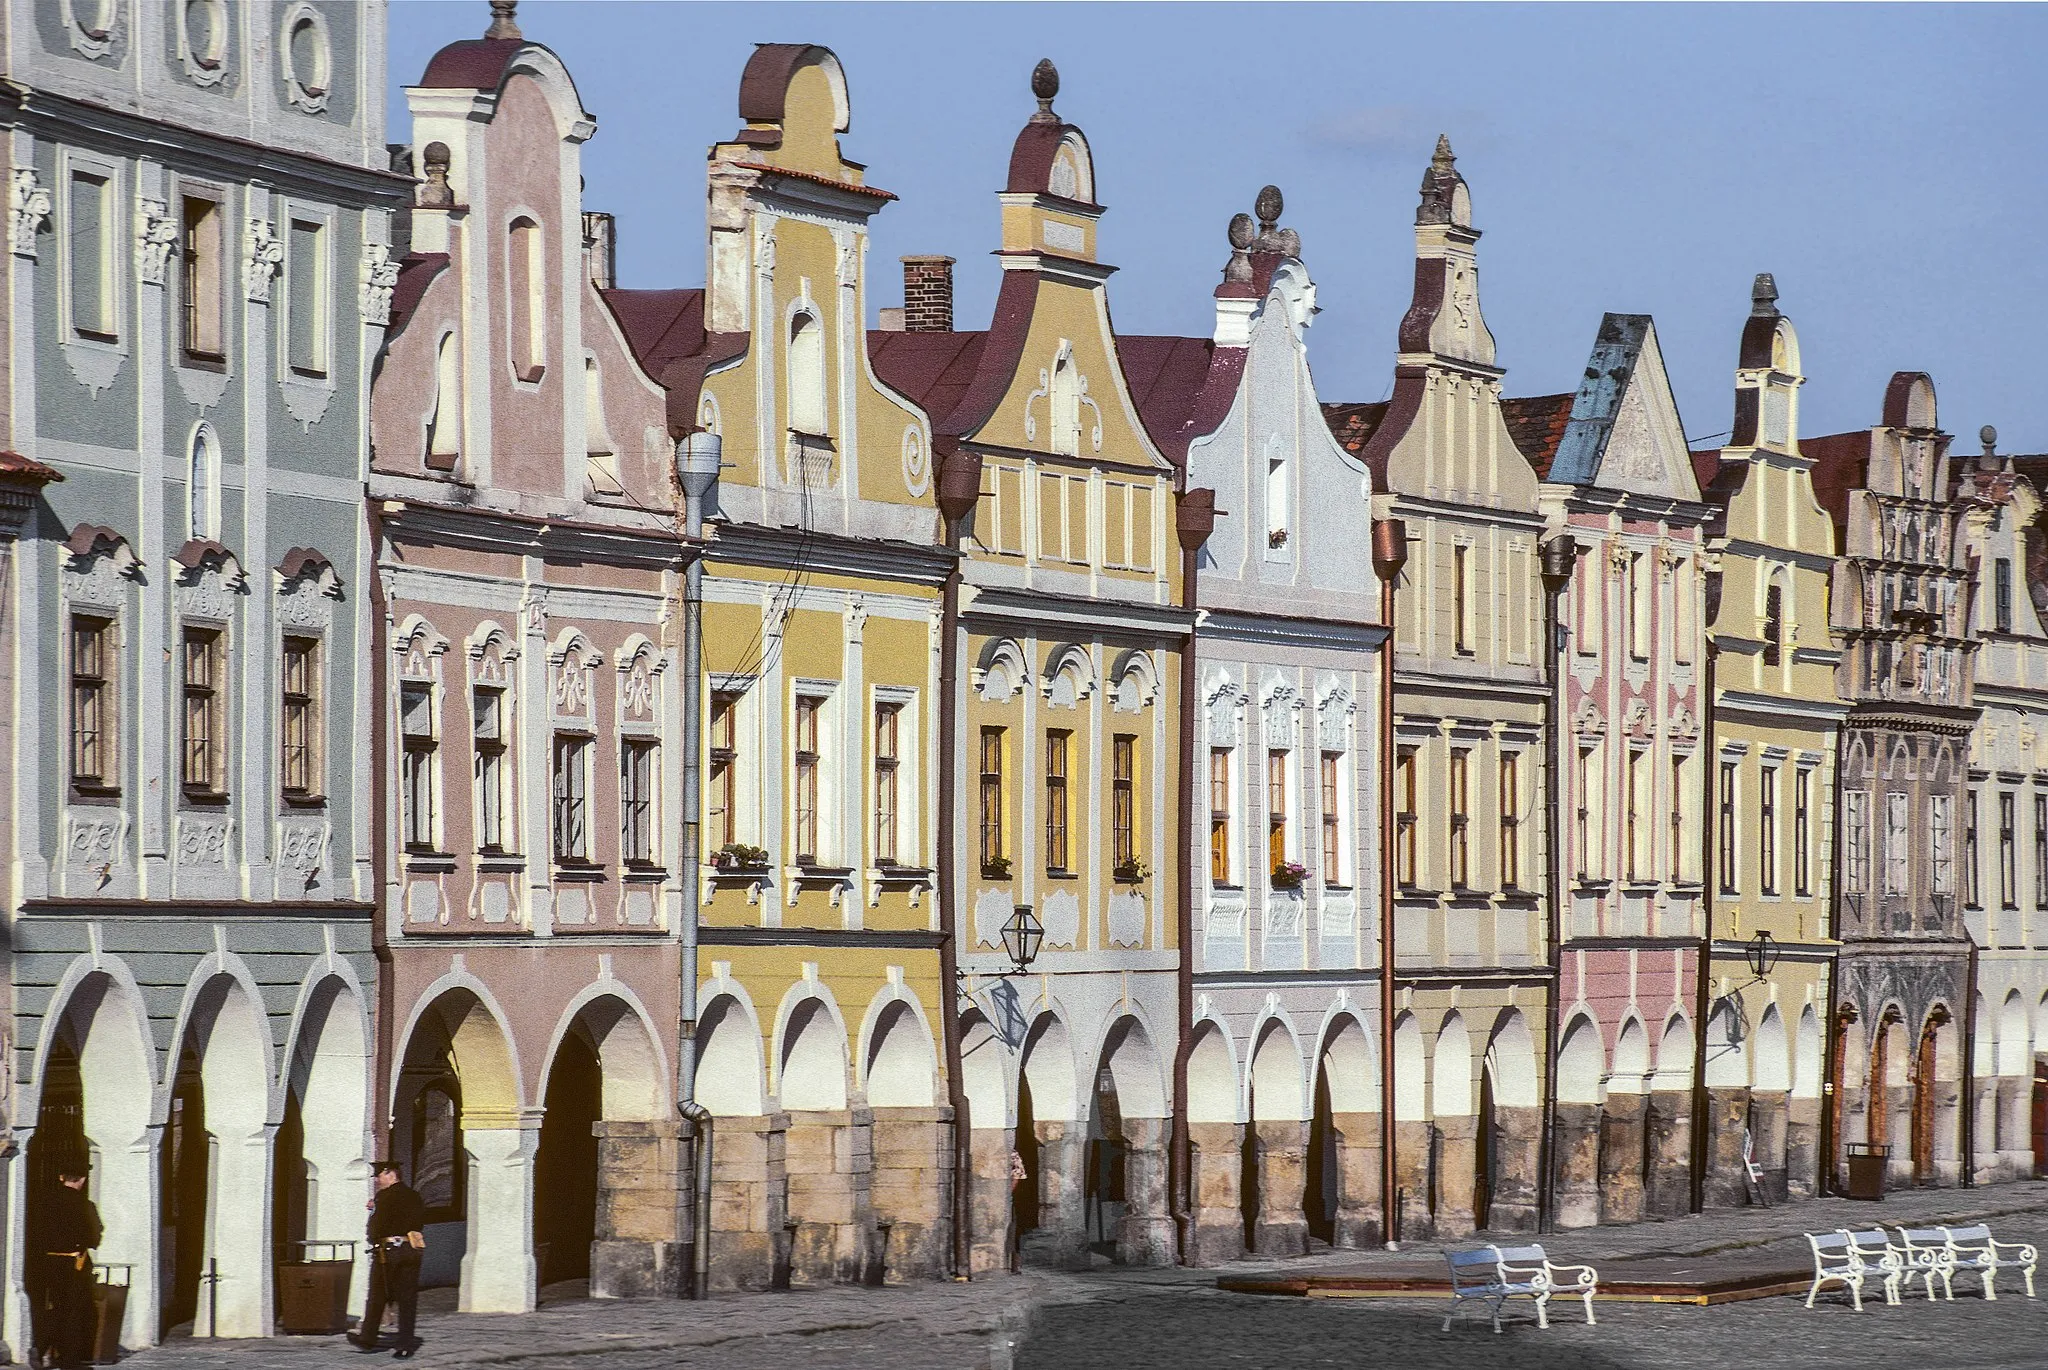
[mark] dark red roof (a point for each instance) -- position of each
(1706, 466)
(1537, 424)
(416, 271)
(1841, 463)
(1182, 387)
(1354, 424)
(931, 369)
(472, 64)
(660, 325)
(16, 468)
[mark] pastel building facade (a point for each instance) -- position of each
(1069, 632)
(1470, 848)
(192, 319)
(1619, 486)
(1770, 841)
(1283, 1083)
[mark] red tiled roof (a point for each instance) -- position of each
(1706, 466)
(661, 326)
(1841, 463)
(1537, 424)
(471, 64)
(17, 469)
(1354, 424)
(416, 271)
(932, 369)
(1165, 376)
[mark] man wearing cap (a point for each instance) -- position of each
(66, 1233)
(397, 1215)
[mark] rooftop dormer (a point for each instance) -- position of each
(1049, 206)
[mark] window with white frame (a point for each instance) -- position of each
(807, 374)
(1335, 849)
(569, 774)
(1219, 816)
(1510, 820)
(639, 778)
(299, 719)
(307, 293)
(1898, 857)
(94, 726)
(1941, 825)
(202, 278)
(204, 752)
(92, 263)
(1767, 828)
(1856, 841)
(808, 764)
(490, 724)
(1731, 857)
(419, 740)
(889, 782)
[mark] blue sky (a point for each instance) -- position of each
(1886, 162)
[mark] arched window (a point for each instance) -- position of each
(444, 430)
(202, 487)
(526, 272)
(806, 374)
(1066, 406)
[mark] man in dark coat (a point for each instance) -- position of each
(397, 1217)
(66, 1233)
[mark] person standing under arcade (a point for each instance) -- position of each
(67, 1324)
(397, 1215)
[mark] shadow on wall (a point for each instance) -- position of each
(1194, 1330)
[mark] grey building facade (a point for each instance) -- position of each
(198, 276)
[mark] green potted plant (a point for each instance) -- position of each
(1130, 872)
(1288, 875)
(736, 857)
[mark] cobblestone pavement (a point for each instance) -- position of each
(1137, 1319)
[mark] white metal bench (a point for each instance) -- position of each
(1973, 1252)
(1491, 1275)
(1877, 1253)
(1836, 1260)
(1925, 1255)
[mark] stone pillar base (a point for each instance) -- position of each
(1359, 1222)
(1281, 1163)
(1457, 1170)
(1668, 1188)
(642, 1190)
(1060, 1241)
(1218, 1216)
(1621, 1158)
(1145, 1234)
(911, 1190)
(1727, 1115)
(989, 1199)
(749, 1200)
(1577, 1194)
(829, 1159)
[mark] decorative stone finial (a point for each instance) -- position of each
(1989, 437)
(504, 23)
(1240, 231)
(436, 194)
(1241, 238)
(1288, 241)
(1269, 205)
(1763, 295)
(1045, 84)
(1443, 160)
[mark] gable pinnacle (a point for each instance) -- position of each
(1045, 84)
(504, 23)
(1443, 160)
(1269, 206)
(1763, 296)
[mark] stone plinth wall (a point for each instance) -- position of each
(1218, 1211)
(643, 1189)
(749, 1200)
(1727, 1116)
(1518, 1166)
(989, 1199)
(829, 1159)
(1145, 1234)
(1358, 1222)
(1577, 1142)
(912, 1191)
(1280, 1161)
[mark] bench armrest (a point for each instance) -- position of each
(2026, 1251)
(1574, 1274)
(1535, 1275)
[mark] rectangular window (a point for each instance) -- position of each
(1510, 821)
(299, 718)
(90, 257)
(92, 704)
(1056, 747)
(205, 697)
(1636, 821)
(1124, 798)
(1973, 893)
(1461, 597)
(1333, 819)
(1583, 827)
(199, 279)
(723, 792)
(1276, 809)
(888, 781)
(1941, 834)
(1639, 584)
(1774, 625)
(805, 756)
(306, 298)
(1802, 831)
(1406, 819)
(995, 859)
(2041, 851)
(637, 774)
(1461, 818)
(1675, 862)
(2008, 874)
(1898, 857)
(1767, 830)
(571, 793)
(487, 721)
(1725, 838)
(1856, 842)
(2002, 594)
(1219, 815)
(416, 763)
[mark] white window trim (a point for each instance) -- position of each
(909, 774)
(301, 89)
(94, 362)
(306, 397)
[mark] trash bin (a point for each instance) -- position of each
(1866, 1170)
(110, 1306)
(312, 1291)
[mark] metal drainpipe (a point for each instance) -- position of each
(1969, 1110)
(1194, 520)
(1558, 555)
(1709, 880)
(381, 712)
(958, 487)
(1389, 555)
(697, 462)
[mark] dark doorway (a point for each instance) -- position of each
(1486, 1146)
(59, 1144)
(1319, 1188)
(1923, 1108)
(565, 1168)
(2039, 1129)
(185, 1160)
(292, 1186)
(1103, 1197)
(1024, 1194)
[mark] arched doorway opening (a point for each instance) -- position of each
(1455, 1159)
(1275, 1145)
(321, 1165)
(1934, 1080)
(460, 1139)
(565, 1166)
(826, 1196)
(1581, 1063)
(1320, 1172)
(1486, 1147)
(1340, 1189)
(746, 1251)
(1124, 1193)
(983, 1068)
(901, 1073)
(1217, 1140)
(1049, 1205)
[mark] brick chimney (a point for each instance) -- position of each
(601, 249)
(928, 294)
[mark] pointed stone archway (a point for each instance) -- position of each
(1509, 1128)
(1454, 1166)
(1125, 1181)
(984, 1071)
(1052, 1136)
(911, 1133)
(1341, 1196)
(749, 1193)
(1273, 1175)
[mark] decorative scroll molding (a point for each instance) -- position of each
(28, 210)
(379, 278)
(262, 256)
(156, 234)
